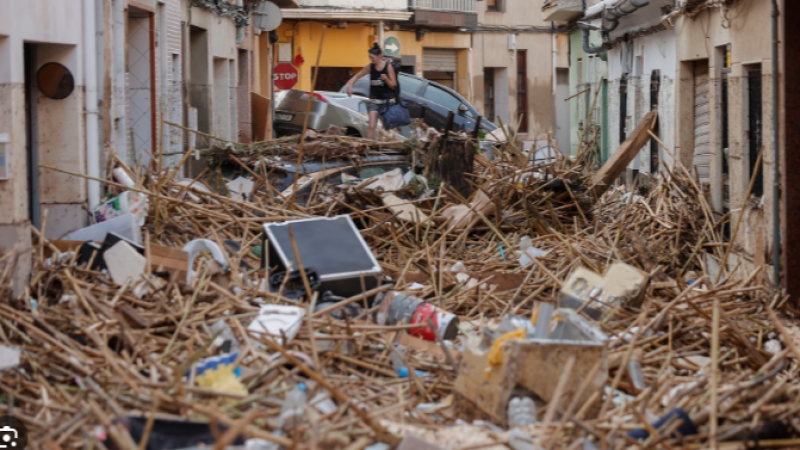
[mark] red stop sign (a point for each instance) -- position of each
(285, 76)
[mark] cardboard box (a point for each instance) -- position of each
(535, 365)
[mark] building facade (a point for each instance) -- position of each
(423, 33)
(722, 127)
(638, 56)
(44, 43)
(520, 66)
(588, 119)
(708, 73)
(84, 83)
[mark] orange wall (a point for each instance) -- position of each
(348, 48)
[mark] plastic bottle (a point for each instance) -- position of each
(293, 409)
(399, 365)
(521, 412)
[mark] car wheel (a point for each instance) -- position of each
(352, 132)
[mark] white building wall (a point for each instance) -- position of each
(647, 53)
(171, 97)
(56, 27)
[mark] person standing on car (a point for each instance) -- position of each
(383, 82)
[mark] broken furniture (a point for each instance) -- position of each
(535, 365)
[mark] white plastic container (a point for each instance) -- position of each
(276, 321)
(128, 202)
(124, 225)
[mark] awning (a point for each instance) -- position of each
(345, 14)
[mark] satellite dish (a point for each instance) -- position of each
(268, 16)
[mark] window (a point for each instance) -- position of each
(442, 97)
(409, 85)
(623, 107)
(522, 91)
(724, 107)
(755, 135)
(655, 89)
(495, 5)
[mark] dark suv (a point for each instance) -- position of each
(435, 100)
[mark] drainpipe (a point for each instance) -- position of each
(611, 16)
(119, 80)
(585, 29)
(776, 173)
(90, 97)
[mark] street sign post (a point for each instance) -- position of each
(285, 76)
(391, 46)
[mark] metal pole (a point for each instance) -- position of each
(271, 53)
(776, 173)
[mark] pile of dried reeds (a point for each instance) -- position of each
(94, 351)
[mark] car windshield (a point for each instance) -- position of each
(445, 99)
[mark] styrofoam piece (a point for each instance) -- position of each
(191, 184)
(124, 226)
(124, 263)
(323, 403)
(276, 321)
(195, 247)
(404, 209)
(773, 346)
(526, 258)
(9, 357)
(240, 188)
(388, 181)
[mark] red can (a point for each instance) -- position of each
(397, 308)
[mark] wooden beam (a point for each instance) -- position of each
(262, 117)
(615, 165)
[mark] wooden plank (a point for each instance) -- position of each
(171, 259)
(262, 117)
(615, 165)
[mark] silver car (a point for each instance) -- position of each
(327, 108)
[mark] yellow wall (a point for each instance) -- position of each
(348, 47)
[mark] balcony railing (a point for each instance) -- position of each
(466, 6)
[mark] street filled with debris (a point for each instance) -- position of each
(326, 291)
